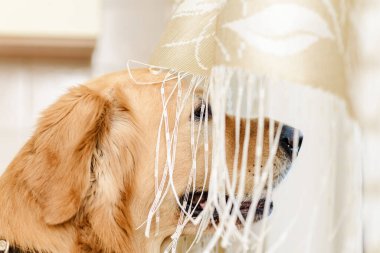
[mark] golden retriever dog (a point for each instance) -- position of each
(84, 182)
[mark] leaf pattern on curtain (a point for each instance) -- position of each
(282, 29)
(196, 8)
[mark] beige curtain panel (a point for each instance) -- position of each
(285, 61)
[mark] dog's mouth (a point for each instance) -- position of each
(197, 201)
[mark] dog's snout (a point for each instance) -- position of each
(290, 140)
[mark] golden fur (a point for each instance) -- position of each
(84, 181)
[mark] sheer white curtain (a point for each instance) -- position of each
(298, 51)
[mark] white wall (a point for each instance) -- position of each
(366, 97)
(49, 18)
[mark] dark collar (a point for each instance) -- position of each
(6, 248)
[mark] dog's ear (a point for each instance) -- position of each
(62, 152)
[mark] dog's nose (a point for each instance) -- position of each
(288, 140)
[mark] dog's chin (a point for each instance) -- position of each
(197, 202)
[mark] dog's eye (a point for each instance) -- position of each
(200, 112)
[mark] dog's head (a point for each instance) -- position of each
(92, 159)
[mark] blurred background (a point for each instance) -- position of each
(47, 46)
